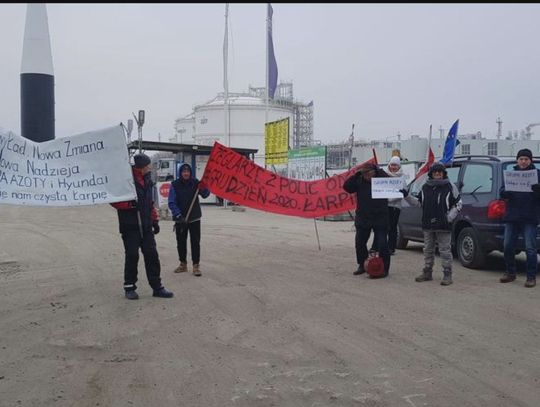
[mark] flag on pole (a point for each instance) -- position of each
(450, 144)
(226, 50)
(271, 58)
(425, 168)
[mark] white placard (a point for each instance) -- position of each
(520, 181)
(163, 193)
(387, 187)
(86, 169)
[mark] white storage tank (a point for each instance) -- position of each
(184, 130)
(246, 122)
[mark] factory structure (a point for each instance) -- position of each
(247, 115)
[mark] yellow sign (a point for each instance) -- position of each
(276, 142)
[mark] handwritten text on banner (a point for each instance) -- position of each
(86, 169)
(520, 181)
(237, 179)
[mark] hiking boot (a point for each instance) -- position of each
(531, 282)
(196, 270)
(447, 279)
(132, 295)
(358, 271)
(425, 276)
(162, 293)
(507, 278)
(182, 268)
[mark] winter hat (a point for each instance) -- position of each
(437, 166)
(141, 160)
(525, 152)
(395, 160)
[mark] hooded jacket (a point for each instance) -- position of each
(440, 202)
(182, 193)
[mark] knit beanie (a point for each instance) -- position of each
(525, 152)
(141, 160)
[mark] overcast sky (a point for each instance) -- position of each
(384, 67)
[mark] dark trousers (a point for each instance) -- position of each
(379, 239)
(194, 229)
(511, 233)
(393, 218)
(132, 244)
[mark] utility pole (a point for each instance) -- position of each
(140, 122)
(441, 132)
(351, 141)
(499, 128)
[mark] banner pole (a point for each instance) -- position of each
(317, 233)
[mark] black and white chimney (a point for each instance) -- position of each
(37, 78)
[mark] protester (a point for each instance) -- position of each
(394, 204)
(441, 203)
(182, 193)
(139, 222)
(521, 217)
(371, 214)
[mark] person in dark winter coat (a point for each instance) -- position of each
(522, 210)
(371, 214)
(441, 203)
(181, 194)
(139, 222)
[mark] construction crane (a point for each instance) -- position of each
(528, 132)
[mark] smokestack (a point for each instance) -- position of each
(37, 78)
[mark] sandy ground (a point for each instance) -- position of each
(273, 321)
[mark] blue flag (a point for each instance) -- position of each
(450, 145)
(272, 65)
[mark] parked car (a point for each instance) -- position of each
(478, 229)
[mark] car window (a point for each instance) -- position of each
(416, 186)
(477, 178)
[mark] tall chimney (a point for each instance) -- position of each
(37, 78)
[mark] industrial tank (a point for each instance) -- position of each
(246, 122)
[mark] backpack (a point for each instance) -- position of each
(374, 265)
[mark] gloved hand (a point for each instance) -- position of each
(155, 227)
(133, 204)
(506, 194)
(404, 192)
(179, 219)
(536, 188)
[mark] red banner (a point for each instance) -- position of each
(232, 176)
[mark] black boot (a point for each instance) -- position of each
(447, 279)
(132, 295)
(425, 276)
(162, 293)
(359, 270)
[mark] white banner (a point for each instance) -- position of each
(387, 187)
(520, 181)
(86, 169)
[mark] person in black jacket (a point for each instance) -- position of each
(181, 194)
(371, 214)
(139, 222)
(521, 216)
(441, 203)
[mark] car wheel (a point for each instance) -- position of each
(469, 249)
(401, 242)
